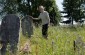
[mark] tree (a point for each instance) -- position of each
(72, 7)
(9, 6)
(29, 7)
(32, 5)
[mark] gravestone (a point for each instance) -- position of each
(79, 46)
(10, 33)
(27, 26)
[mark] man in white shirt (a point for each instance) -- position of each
(44, 16)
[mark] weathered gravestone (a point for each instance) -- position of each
(27, 26)
(10, 33)
(79, 46)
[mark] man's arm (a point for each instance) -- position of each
(35, 18)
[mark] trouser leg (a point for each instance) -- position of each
(45, 30)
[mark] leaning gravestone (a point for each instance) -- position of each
(27, 26)
(79, 46)
(10, 33)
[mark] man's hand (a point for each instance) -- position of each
(34, 18)
(31, 17)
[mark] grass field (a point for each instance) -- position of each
(60, 41)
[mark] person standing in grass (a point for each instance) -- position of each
(44, 16)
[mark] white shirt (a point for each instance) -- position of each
(44, 16)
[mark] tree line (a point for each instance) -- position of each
(30, 7)
(74, 9)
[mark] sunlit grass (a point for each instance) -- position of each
(60, 41)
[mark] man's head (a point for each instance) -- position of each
(41, 8)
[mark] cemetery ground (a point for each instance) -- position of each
(60, 41)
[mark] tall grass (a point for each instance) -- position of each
(60, 41)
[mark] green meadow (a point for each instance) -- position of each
(60, 41)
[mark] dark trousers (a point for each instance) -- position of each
(45, 30)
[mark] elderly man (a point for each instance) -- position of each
(10, 33)
(44, 16)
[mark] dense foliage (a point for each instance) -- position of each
(73, 9)
(30, 7)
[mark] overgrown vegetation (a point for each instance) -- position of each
(60, 41)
